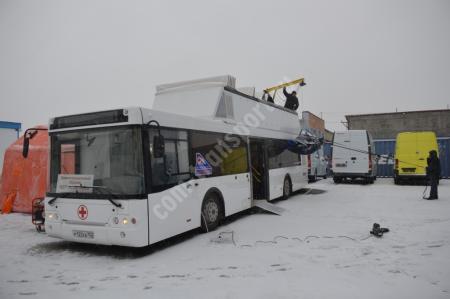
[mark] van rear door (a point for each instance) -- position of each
(407, 153)
(350, 155)
(358, 156)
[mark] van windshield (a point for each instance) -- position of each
(110, 157)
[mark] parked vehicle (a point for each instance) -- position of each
(317, 166)
(139, 176)
(352, 156)
(411, 152)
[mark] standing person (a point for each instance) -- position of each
(291, 100)
(433, 172)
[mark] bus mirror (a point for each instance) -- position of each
(26, 146)
(158, 146)
(29, 133)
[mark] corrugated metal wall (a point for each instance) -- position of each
(385, 166)
(444, 156)
(387, 147)
(327, 149)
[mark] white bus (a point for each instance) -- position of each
(135, 176)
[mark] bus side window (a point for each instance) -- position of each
(173, 167)
(280, 155)
(226, 154)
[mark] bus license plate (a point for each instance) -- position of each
(83, 234)
(341, 165)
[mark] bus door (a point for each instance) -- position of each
(259, 171)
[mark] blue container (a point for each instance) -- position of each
(327, 149)
(387, 147)
(444, 156)
(385, 165)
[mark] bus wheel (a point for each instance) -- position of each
(211, 212)
(337, 180)
(287, 189)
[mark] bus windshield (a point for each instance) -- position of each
(112, 156)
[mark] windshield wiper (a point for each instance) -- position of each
(108, 192)
(60, 195)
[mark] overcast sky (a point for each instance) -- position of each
(65, 57)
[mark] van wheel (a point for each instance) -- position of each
(211, 212)
(287, 188)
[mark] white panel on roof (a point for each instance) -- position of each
(226, 80)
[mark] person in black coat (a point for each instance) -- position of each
(291, 100)
(433, 173)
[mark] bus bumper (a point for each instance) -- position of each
(103, 235)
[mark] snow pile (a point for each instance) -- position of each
(319, 248)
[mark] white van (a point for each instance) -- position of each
(317, 165)
(352, 156)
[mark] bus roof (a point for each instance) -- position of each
(207, 104)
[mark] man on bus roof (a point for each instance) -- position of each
(291, 100)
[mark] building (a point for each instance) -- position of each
(313, 123)
(328, 136)
(388, 125)
(9, 132)
(384, 128)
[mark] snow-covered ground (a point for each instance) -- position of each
(317, 249)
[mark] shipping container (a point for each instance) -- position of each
(386, 147)
(9, 132)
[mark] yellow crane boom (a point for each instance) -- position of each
(300, 81)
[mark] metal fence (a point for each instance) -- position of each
(387, 147)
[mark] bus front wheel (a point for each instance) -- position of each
(211, 212)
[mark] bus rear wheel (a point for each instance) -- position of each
(287, 189)
(211, 212)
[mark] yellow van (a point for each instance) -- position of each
(411, 153)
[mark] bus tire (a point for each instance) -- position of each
(337, 180)
(287, 188)
(211, 213)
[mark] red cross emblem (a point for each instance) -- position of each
(82, 212)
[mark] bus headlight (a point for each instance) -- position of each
(123, 220)
(52, 216)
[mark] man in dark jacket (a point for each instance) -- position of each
(291, 100)
(433, 173)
